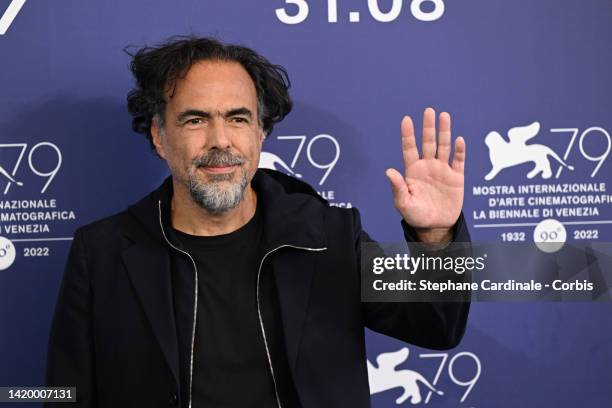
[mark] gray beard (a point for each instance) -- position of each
(213, 196)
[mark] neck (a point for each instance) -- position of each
(188, 217)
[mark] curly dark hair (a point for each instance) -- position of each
(156, 70)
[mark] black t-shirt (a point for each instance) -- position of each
(230, 367)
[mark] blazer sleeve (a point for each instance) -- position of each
(70, 361)
(433, 325)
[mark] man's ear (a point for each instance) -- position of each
(157, 133)
(262, 137)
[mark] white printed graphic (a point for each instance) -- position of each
(516, 151)
(31, 212)
(33, 163)
(7, 253)
(594, 130)
(519, 205)
(10, 178)
(388, 11)
(385, 377)
(318, 154)
(549, 235)
(273, 162)
(9, 15)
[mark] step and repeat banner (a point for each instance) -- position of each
(528, 86)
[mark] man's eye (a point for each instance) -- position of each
(239, 120)
(194, 121)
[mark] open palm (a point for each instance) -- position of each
(429, 195)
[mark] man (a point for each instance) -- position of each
(230, 286)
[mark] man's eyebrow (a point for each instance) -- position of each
(238, 112)
(242, 111)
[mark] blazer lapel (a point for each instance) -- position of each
(293, 220)
(293, 275)
(149, 270)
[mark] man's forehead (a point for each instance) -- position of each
(218, 77)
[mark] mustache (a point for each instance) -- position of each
(219, 158)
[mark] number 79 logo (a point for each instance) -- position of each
(9, 175)
(9, 15)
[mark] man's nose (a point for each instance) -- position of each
(219, 136)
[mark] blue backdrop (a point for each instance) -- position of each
(68, 156)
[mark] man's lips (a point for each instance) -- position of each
(218, 169)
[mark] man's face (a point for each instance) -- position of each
(212, 137)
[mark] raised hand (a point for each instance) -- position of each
(429, 195)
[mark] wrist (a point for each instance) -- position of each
(434, 237)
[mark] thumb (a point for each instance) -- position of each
(398, 184)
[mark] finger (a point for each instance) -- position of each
(429, 134)
(410, 151)
(459, 156)
(444, 137)
(398, 184)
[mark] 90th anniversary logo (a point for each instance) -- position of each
(546, 200)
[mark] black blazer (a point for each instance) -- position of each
(114, 334)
